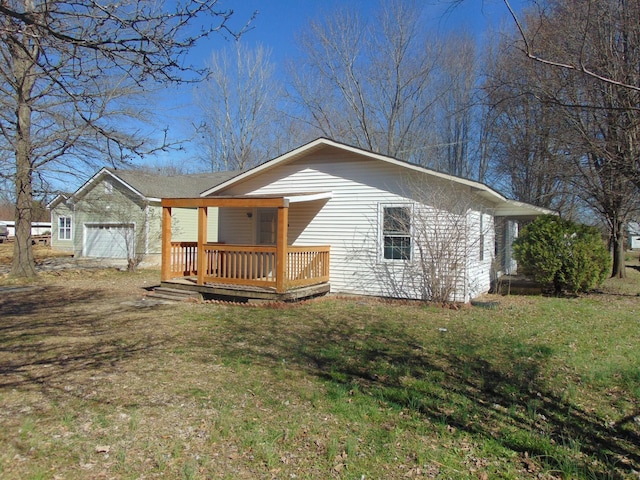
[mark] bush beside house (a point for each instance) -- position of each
(566, 256)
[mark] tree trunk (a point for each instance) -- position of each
(23, 260)
(617, 245)
(23, 56)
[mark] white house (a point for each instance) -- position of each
(361, 222)
(37, 228)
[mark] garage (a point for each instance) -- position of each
(109, 240)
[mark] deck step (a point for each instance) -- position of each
(175, 294)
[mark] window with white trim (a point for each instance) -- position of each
(64, 228)
(108, 187)
(396, 232)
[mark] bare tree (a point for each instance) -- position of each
(595, 123)
(67, 73)
(238, 105)
(370, 84)
(593, 13)
(528, 155)
(456, 106)
(602, 118)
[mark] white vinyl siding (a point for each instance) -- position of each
(349, 221)
(480, 245)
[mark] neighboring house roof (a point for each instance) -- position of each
(151, 186)
(156, 186)
(61, 197)
(504, 206)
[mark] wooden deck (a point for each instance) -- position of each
(268, 271)
(246, 293)
(249, 269)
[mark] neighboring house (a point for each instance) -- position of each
(366, 223)
(116, 213)
(633, 235)
(37, 228)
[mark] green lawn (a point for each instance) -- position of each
(335, 388)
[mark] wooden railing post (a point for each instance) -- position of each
(202, 239)
(281, 249)
(165, 272)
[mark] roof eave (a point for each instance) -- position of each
(100, 174)
(516, 209)
(321, 142)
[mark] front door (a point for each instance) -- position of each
(267, 226)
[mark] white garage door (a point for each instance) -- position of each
(108, 240)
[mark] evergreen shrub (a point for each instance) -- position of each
(558, 253)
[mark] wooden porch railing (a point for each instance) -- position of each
(307, 265)
(183, 259)
(251, 265)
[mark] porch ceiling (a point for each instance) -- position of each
(515, 209)
(244, 201)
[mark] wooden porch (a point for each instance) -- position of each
(276, 272)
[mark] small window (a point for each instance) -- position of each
(108, 187)
(64, 228)
(396, 233)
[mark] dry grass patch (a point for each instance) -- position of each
(40, 252)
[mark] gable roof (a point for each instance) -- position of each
(157, 186)
(506, 207)
(60, 197)
(154, 186)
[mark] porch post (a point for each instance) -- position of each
(202, 240)
(281, 249)
(165, 272)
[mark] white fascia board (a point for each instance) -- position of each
(320, 142)
(400, 163)
(91, 181)
(56, 200)
(308, 197)
(513, 208)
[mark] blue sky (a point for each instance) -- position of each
(279, 21)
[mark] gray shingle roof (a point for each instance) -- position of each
(155, 185)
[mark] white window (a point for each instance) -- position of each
(108, 187)
(64, 228)
(396, 232)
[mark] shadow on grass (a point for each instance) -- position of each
(493, 391)
(50, 333)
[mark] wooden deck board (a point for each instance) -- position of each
(245, 292)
